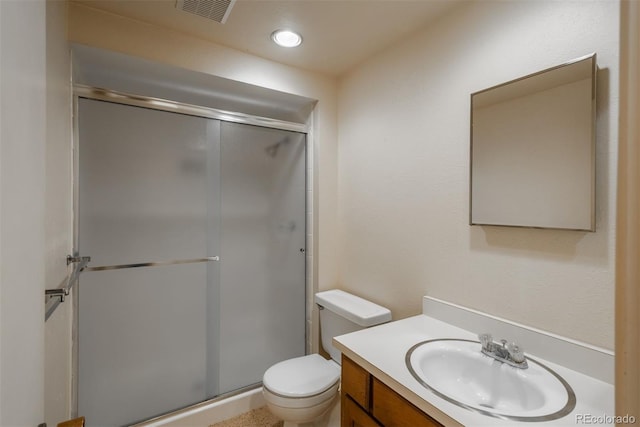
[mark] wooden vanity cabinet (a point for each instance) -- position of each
(367, 402)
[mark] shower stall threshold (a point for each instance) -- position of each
(211, 411)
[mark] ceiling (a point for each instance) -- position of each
(337, 34)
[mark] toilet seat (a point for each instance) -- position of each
(302, 378)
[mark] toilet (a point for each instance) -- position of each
(302, 389)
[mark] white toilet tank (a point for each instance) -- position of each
(342, 312)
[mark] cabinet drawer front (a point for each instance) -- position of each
(356, 382)
(392, 410)
(355, 416)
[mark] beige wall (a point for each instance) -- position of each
(103, 30)
(22, 211)
(404, 172)
(58, 219)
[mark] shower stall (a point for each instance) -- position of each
(196, 228)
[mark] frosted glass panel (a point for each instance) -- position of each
(148, 193)
(262, 317)
(143, 184)
(143, 342)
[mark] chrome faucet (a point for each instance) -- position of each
(511, 354)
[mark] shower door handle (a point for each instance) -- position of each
(152, 264)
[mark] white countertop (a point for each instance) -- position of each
(381, 350)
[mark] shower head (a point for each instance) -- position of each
(272, 150)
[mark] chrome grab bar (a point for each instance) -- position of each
(152, 264)
(53, 297)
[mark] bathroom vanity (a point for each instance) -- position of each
(367, 401)
(379, 388)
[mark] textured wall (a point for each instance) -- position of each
(404, 172)
(22, 211)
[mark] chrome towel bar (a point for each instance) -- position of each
(53, 297)
(152, 264)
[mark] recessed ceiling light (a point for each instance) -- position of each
(286, 38)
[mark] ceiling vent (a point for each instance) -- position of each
(218, 10)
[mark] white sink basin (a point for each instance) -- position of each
(458, 372)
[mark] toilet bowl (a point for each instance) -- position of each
(301, 390)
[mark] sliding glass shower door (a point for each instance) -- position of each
(196, 230)
(262, 239)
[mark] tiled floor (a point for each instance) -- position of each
(260, 417)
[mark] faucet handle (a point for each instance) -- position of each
(516, 352)
(486, 340)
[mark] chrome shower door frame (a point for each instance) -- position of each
(116, 97)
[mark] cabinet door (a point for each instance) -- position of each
(392, 410)
(354, 416)
(356, 382)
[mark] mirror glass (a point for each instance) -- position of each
(533, 150)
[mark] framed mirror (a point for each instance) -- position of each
(533, 150)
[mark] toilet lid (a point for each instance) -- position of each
(302, 376)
